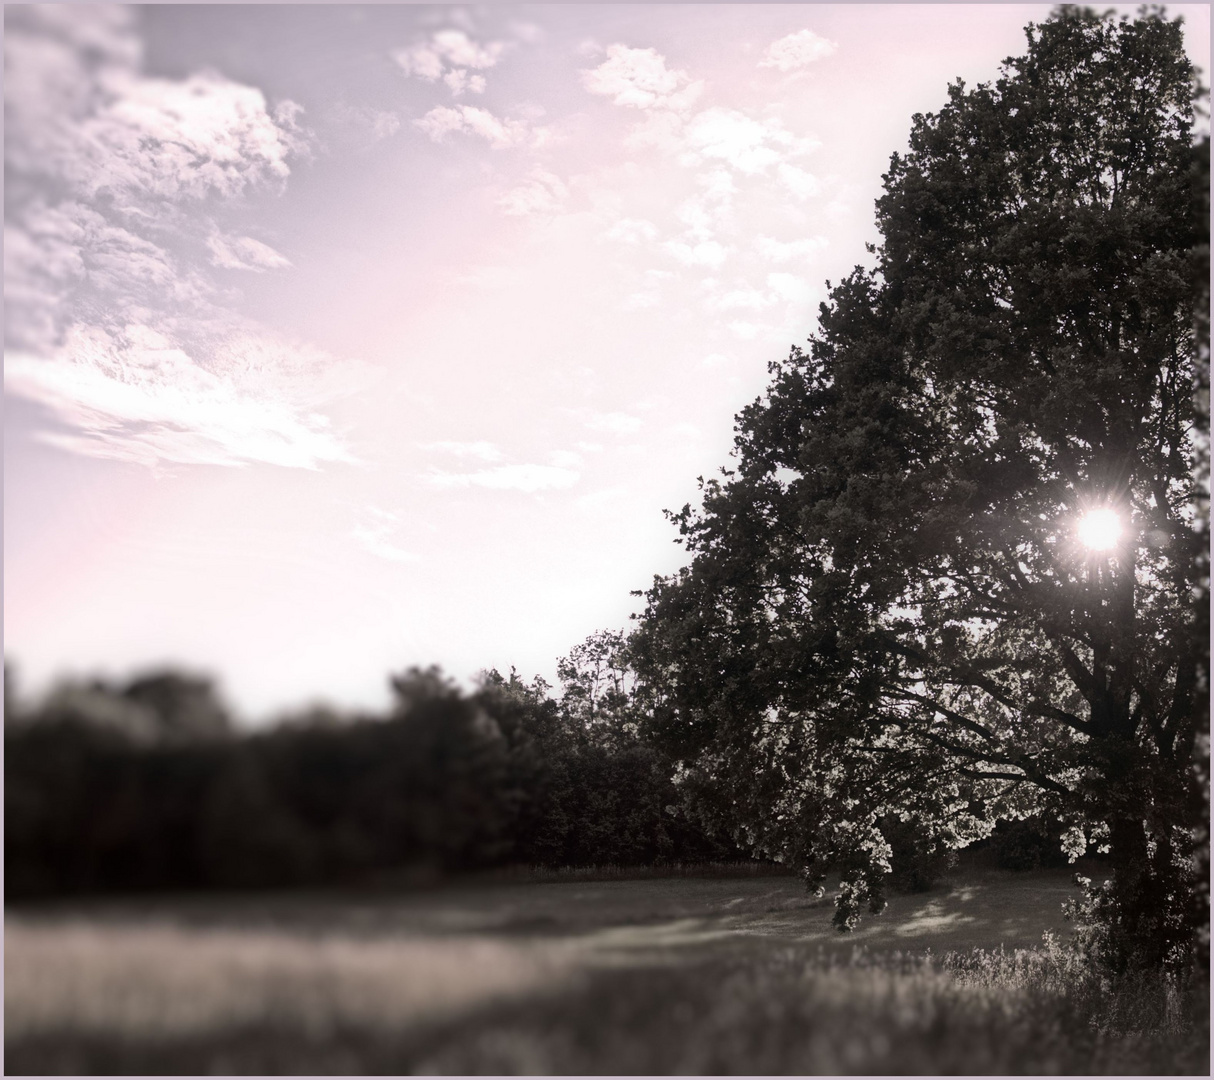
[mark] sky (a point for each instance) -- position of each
(340, 339)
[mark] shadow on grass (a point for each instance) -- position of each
(783, 1013)
(610, 976)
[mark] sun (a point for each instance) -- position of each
(1099, 529)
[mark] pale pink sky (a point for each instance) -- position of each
(340, 339)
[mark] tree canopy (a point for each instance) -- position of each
(897, 607)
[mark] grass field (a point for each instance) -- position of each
(659, 975)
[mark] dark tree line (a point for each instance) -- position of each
(148, 786)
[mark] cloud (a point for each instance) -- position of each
(750, 146)
(650, 295)
(781, 251)
(450, 55)
(244, 253)
(542, 193)
(172, 139)
(797, 51)
(640, 79)
(116, 324)
(443, 120)
(564, 459)
(135, 396)
(481, 450)
(742, 298)
(603, 501)
(614, 423)
(359, 124)
(527, 478)
(631, 231)
(458, 81)
(796, 290)
(79, 112)
(801, 183)
(705, 253)
(374, 536)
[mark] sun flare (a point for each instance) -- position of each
(1099, 529)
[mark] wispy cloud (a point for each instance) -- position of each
(613, 423)
(631, 231)
(135, 397)
(244, 253)
(527, 478)
(359, 125)
(480, 450)
(374, 534)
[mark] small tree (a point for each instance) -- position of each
(598, 681)
(953, 576)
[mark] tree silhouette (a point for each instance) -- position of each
(897, 602)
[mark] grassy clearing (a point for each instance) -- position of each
(698, 975)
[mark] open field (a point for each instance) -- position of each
(681, 974)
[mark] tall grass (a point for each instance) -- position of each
(363, 1007)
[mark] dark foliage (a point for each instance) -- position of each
(102, 795)
(1027, 845)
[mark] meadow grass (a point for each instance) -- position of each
(682, 975)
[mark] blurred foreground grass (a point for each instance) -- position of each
(680, 975)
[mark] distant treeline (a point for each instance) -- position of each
(148, 785)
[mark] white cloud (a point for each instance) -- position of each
(797, 51)
(603, 501)
(705, 253)
(650, 296)
(527, 478)
(742, 298)
(801, 183)
(244, 253)
(452, 56)
(139, 397)
(748, 145)
(443, 120)
(640, 79)
(481, 450)
(542, 193)
(745, 330)
(614, 423)
(564, 459)
(185, 139)
(115, 322)
(782, 251)
(797, 290)
(631, 231)
(459, 80)
(659, 128)
(375, 536)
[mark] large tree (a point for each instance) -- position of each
(955, 575)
